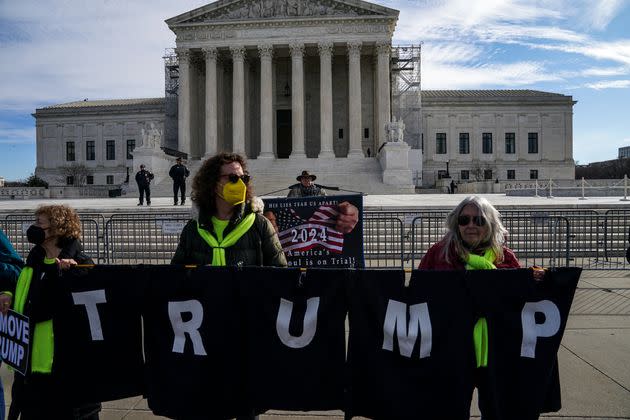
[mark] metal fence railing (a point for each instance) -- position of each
(15, 225)
(392, 239)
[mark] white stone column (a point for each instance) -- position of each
(325, 103)
(210, 55)
(382, 81)
(354, 102)
(266, 102)
(238, 99)
(297, 100)
(183, 101)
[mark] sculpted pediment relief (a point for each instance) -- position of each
(274, 9)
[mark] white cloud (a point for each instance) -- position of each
(609, 84)
(601, 12)
(604, 71)
(445, 76)
(17, 135)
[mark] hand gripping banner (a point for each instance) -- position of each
(226, 342)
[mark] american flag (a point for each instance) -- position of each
(298, 234)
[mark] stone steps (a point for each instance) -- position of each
(268, 175)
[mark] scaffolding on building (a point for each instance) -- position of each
(406, 91)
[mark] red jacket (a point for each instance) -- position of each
(434, 260)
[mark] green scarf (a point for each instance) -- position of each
(480, 332)
(218, 249)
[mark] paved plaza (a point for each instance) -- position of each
(373, 202)
(595, 352)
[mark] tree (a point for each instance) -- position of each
(35, 181)
(79, 174)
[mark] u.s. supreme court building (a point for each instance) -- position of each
(307, 84)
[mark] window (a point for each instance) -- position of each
(533, 174)
(131, 144)
(340, 133)
(486, 139)
(110, 179)
(464, 175)
(442, 174)
(366, 133)
(440, 143)
(510, 143)
(90, 151)
(110, 150)
(532, 143)
(487, 174)
(69, 180)
(511, 174)
(89, 179)
(70, 151)
(464, 143)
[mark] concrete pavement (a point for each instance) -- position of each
(374, 202)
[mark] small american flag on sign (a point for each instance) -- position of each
(298, 234)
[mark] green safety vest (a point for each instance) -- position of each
(43, 338)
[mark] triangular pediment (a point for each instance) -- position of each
(230, 10)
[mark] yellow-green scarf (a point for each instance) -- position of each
(480, 331)
(218, 249)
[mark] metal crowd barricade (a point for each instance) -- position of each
(16, 224)
(616, 239)
(143, 238)
(540, 241)
(382, 241)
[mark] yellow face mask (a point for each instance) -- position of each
(234, 192)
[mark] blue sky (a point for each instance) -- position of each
(58, 51)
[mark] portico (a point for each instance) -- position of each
(283, 78)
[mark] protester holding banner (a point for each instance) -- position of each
(230, 228)
(10, 266)
(306, 188)
(475, 241)
(37, 394)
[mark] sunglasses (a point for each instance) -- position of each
(465, 220)
(234, 178)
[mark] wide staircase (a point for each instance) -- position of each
(271, 175)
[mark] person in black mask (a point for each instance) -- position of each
(38, 394)
(306, 188)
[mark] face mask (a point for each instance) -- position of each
(36, 235)
(234, 192)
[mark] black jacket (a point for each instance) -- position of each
(40, 395)
(258, 246)
(143, 178)
(179, 172)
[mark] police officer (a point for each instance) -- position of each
(143, 179)
(179, 173)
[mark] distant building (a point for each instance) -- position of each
(497, 134)
(624, 152)
(307, 88)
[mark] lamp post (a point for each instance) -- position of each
(447, 174)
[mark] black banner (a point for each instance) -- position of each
(313, 233)
(14, 340)
(272, 338)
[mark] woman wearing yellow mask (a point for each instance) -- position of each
(229, 228)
